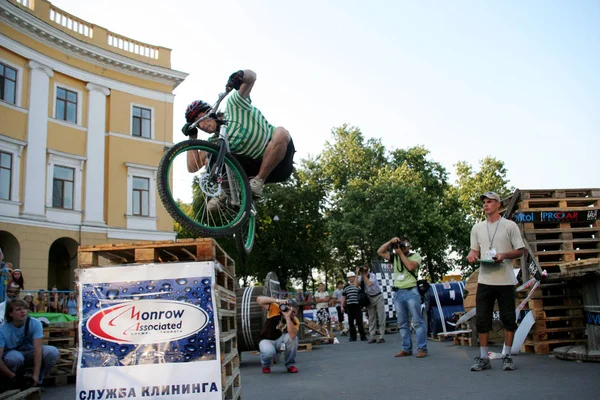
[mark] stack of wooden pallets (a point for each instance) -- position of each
(562, 228)
(186, 250)
(61, 335)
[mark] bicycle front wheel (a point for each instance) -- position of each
(205, 198)
(244, 239)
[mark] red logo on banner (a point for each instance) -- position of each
(147, 321)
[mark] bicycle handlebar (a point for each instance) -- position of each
(212, 110)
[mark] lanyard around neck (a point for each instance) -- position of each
(488, 232)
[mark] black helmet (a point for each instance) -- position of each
(194, 109)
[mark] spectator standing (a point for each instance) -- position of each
(41, 302)
(376, 307)
(500, 241)
(407, 299)
(337, 296)
(351, 307)
(29, 300)
(54, 305)
(4, 277)
(322, 300)
(71, 304)
(15, 283)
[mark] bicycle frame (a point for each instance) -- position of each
(223, 144)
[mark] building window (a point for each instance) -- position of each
(66, 105)
(63, 187)
(5, 175)
(8, 84)
(142, 122)
(141, 196)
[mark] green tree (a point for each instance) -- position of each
(470, 184)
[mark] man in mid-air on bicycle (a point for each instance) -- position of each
(265, 152)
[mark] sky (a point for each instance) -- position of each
(514, 80)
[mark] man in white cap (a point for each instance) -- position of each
(350, 306)
(494, 242)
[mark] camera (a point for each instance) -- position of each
(362, 270)
(286, 307)
(400, 245)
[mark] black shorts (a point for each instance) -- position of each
(282, 171)
(484, 302)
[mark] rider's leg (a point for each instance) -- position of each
(274, 153)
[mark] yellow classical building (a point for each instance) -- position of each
(85, 116)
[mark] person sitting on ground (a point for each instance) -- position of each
(265, 152)
(21, 344)
(280, 332)
(15, 283)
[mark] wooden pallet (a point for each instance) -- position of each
(559, 193)
(51, 333)
(546, 347)
(392, 327)
(580, 268)
(438, 338)
(182, 250)
(60, 342)
(33, 393)
(304, 347)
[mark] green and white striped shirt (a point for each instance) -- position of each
(248, 130)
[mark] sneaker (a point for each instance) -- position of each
(403, 354)
(372, 341)
(256, 187)
(421, 354)
(217, 202)
(381, 340)
(266, 370)
(481, 364)
(507, 363)
(293, 369)
(352, 340)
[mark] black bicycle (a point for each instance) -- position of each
(221, 197)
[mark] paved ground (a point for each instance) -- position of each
(369, 371)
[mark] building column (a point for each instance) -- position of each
(37, 135)
(96, 139)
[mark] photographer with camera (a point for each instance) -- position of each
(280, 332)
(407, 299)
(21, 344)
(375, 310)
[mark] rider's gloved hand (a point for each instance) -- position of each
(235, 81)
(187, 131)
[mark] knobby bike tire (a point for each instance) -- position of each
(244, 239)
(166, 195)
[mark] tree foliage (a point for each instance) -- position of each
(340, 206)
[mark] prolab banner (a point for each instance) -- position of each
(148, 331)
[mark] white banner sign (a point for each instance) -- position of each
(148, 331)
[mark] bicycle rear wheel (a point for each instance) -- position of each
(220, 197)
